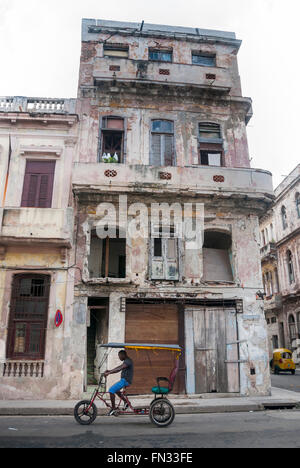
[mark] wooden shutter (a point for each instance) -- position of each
(168, 150)
(156, 149)
(38, 184)
(171, 258)
(151, 323)
(165, 266)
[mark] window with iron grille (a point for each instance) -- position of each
(210, 145)
(28, 317)
(162, 143)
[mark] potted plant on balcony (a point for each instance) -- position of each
(107, 158)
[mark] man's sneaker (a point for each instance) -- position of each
(126, 406)
(112, 412)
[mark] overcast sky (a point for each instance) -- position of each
(40, 51)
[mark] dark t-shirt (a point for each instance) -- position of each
(127, 373)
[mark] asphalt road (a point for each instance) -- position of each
(287, 381)
(268, 429)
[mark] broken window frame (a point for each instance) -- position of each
(209, 243)
(166, 137)
(165, 235)
(161, 55)
(210, 142)
(105, 257)
(208, 60)
(104, 131)
(116, 51)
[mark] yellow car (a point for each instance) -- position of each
(282, 361)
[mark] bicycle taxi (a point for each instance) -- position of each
(160, 410)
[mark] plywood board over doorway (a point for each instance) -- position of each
(152, 323)
(216, 350)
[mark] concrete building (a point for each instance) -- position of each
(282, 274)
(37, 141)
(163, 120)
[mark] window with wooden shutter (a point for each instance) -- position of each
(164, 257)
(28, 317)
(38, 184)
(162, 143)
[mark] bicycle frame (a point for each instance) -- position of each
(105, 398)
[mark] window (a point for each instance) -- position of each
(115, 50)
(107, 257)
(292, 328)
(206, 60)
(164, 255)
(290, 267)
(112, 140)
(217, 257)
(210, 145)
(38, 184)
(160, 55)
(284, 217)
(28, 317)
(275, 342)
(162, 143)
(297, 200)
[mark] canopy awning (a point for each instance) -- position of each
(168, 347)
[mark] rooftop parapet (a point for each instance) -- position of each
(37, 105)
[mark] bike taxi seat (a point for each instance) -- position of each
(160, 390)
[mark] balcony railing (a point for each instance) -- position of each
(37, 105)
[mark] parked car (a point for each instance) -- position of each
(282, 361)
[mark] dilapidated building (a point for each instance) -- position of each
(37, 140)
(162, 120)
(280, 239)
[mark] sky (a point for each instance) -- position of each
(40, 52)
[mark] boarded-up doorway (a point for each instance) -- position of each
(153, 323)
(213, 331)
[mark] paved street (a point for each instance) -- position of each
(267, 429)
(287, 381)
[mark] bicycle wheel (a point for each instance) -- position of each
(162, 412)
(83, 414)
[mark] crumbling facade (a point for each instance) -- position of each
(282, 273)
(104, 246)
(163, 120)
(37, 140)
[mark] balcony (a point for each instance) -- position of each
(41, 225)
(173, 74)
(189, 180)
(16, 108)
(37, 105)
(273, 302)
(268, 252)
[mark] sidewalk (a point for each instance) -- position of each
(183, 405)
